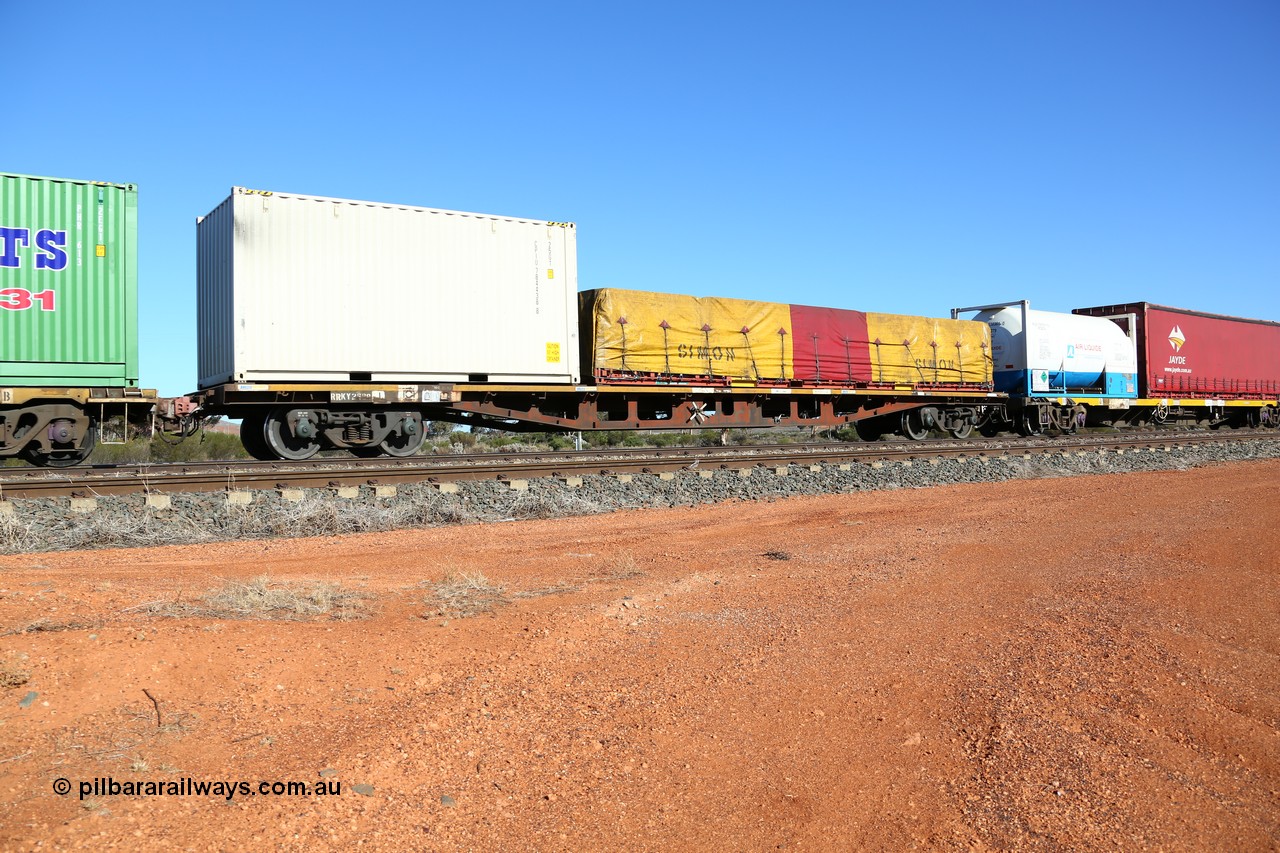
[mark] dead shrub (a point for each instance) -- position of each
(461, 594)
(263, 598)
(15, 536)
(620, 568)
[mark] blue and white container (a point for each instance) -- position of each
(1047, 354)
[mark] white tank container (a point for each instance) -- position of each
(295, 288)
(1051, 353)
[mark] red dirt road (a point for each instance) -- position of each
(1074, 663)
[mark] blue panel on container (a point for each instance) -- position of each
(1122, 385)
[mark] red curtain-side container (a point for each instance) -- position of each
(1192, 354)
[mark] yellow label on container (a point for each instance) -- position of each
(553, 353)
(551, 273)
(100, 251)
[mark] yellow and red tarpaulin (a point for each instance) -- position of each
(637, 333)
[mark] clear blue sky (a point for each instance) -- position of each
(888, 156)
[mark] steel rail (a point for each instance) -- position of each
(172, 479)
(341, 461)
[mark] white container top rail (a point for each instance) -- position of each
(393, 206)
(298, 288)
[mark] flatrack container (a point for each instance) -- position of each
(1193, 354)
(68, 282)
(635, 336)
(296, 288)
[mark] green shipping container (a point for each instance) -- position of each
(68, 283)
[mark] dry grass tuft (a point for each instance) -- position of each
(553, 504)
(461, 594)
(15, 535)
(620, 568)
(263, 598)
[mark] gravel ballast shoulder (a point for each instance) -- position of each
(33, 525)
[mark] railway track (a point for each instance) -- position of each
(90, 481)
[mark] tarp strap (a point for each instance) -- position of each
(911, 360)
(622, 324)
(706, 337)
(755, 370)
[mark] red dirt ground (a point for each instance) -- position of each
(1076, 663)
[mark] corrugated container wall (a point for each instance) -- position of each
(68, 282)
(309, 289)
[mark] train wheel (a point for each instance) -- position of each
(962, 432)
(869, 429)
(65, 458)
(281, 440)
(253, 439)
(1079, 417)
(1029, 423)
(407, 441)
(913, 427)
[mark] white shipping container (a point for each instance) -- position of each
(295, 288)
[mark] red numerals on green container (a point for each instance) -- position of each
(20, 299)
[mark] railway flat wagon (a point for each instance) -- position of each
(1197, 365)
(764, 362)
(68, 315)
